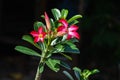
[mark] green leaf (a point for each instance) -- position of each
(66, 56)
(71, 48)
(39, 24)
(94, 71)
(65, 65)
(56, 13)
(27, 51)
(53, 64)
(74, 40)
(74, 22)
(77, 72)
(68, 75)
(52, 23)
(58, 48)
(41, 67)
(64, 13)
(74, 18)
(29, 39)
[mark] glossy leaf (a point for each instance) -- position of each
(53, 64)
(74, 18)
(29, 39)
(56, 13)
(68, 75)
(64, 13)
(27, 51)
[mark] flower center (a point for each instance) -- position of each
(40, 35)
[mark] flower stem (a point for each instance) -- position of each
(38, 74)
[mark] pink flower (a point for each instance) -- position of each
(38, 36)
(71, 31)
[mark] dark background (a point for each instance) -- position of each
(99, 44)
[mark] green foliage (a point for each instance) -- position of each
(81, 75)
(53, 64)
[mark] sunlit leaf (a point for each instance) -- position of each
(64, 13)
(56, 13)
(74, 18)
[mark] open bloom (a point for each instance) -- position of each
(71, 31)
(38, 35)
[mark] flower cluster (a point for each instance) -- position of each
(63, 29)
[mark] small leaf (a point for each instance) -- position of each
(68, 75)
(66, 56)
(41, 67)
(39, 24)
(77, 72)
(64, 13)
(94, 71)
(53, 64)
(74, 18)
(58, 48)
(65, 65)
(56, 13)
(27, 51)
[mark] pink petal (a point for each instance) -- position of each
(64, 22)
(40, 30)
(74, 34)
(47, 20)
(61, 28)
(73, 28)
(34, 33)
(37, 39)
(69, 37)
(41, 39)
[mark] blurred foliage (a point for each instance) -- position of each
(100, 28)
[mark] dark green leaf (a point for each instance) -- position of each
(68, 75)
(64, 13)
(56, 13)
(65, 65)
(74, 18)
(53, 64)
(71, 48)
(27, 51)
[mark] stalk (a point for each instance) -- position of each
(38, 73)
